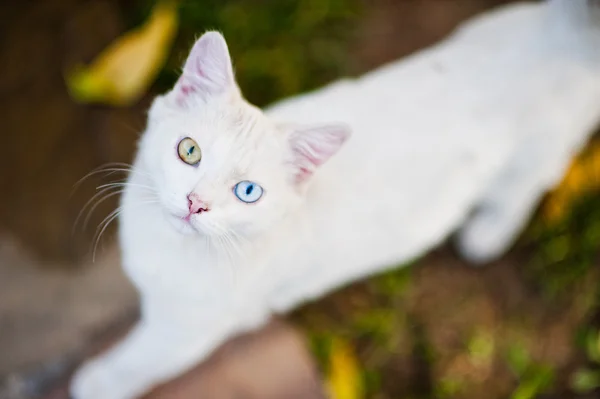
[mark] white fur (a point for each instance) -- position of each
(489, 118)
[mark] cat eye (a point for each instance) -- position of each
(248, 191)
(189, 151)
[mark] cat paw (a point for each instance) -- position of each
(97, 380)
(484, 238)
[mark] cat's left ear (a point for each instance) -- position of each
(207, 72)
(311, 147)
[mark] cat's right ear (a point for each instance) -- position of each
(207, 71)
(312, 146)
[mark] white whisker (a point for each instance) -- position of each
(109, 169)
(91, 211)
(127, 184)
(87, 204)
(102, 227)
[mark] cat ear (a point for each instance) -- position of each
(207, 71)
(313, 146)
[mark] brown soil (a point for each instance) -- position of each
(436, 315)
(443, 305)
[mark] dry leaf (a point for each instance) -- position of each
(344, 377)
(582, 177)
(122, 73)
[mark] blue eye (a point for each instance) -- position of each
(248, 191)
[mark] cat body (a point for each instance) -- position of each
(357, 177)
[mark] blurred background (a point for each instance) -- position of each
(525, 327)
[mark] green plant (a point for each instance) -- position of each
(279, 48)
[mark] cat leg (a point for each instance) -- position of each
(496, 224)
(155, 351)
(511, 199)
(150, 354)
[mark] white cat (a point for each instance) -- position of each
(232, 214)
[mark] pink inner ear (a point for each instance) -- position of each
(183, 91)
(303, 174)
(187, 90)
(313, 147)
(207, 70)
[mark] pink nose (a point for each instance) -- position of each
(195, 204)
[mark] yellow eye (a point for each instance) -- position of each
(189, 151)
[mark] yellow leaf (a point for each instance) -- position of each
(344, 377)
(122, 73)
(582, 177)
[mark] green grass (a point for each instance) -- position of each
(563, 253)
(279, 48)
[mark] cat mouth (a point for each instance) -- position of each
(183, 224)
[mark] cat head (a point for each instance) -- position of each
(218, 164)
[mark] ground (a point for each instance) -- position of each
(523, 327)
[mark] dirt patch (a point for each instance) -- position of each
(445, 329)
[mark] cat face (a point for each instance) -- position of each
(219, 166)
